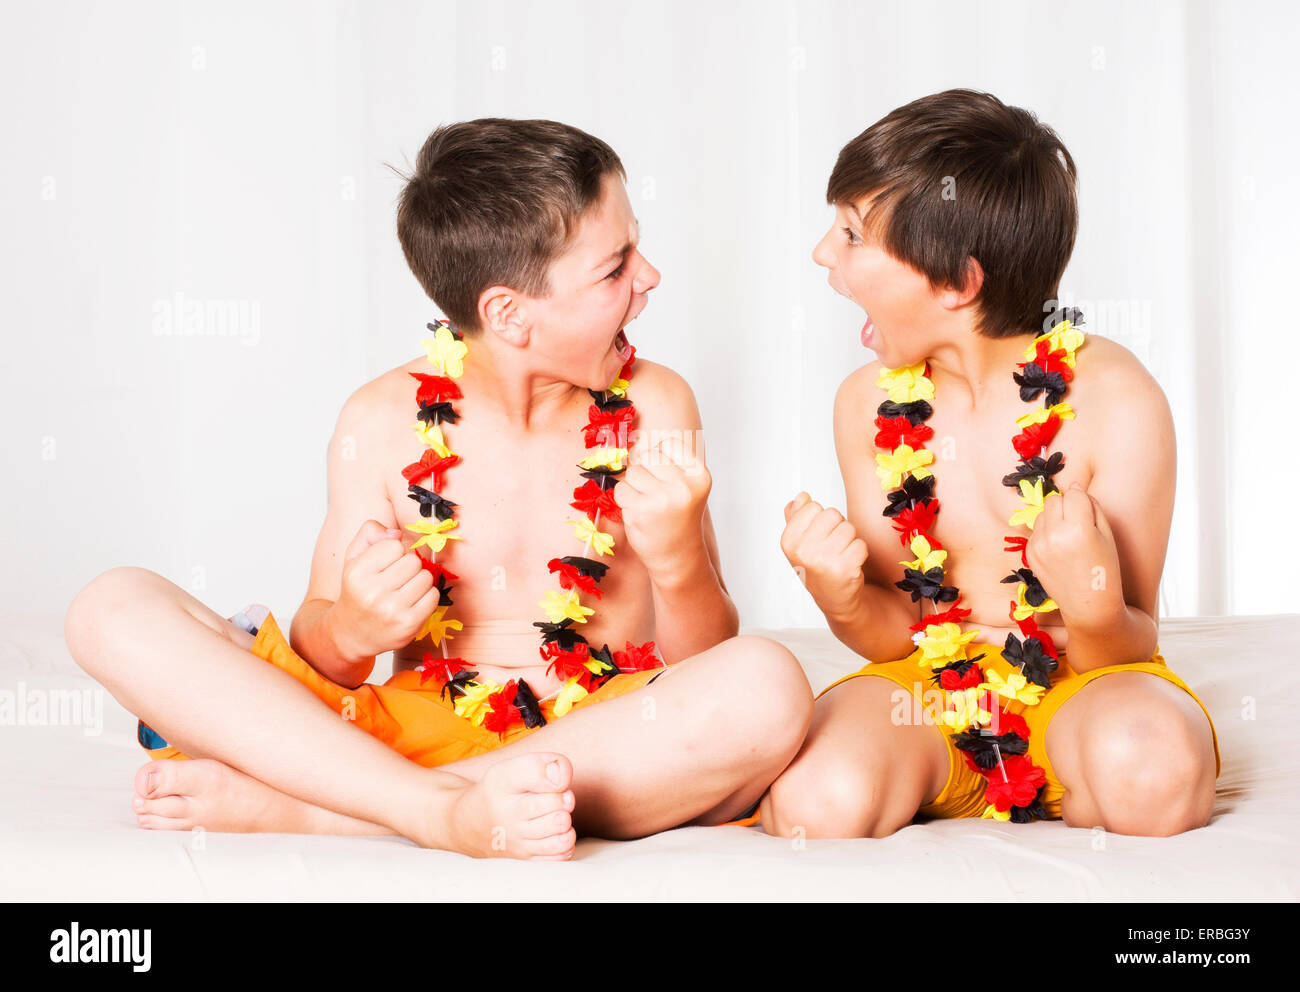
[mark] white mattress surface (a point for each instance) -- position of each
(67, 831)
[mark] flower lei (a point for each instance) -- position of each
(995, 741)
(482, 701)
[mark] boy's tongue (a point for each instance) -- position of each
(866, 333)
(622, 347)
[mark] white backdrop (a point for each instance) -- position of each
(230, 156)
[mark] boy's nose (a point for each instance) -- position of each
(647, 276)
(821, 254)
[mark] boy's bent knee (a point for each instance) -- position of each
(99, 610)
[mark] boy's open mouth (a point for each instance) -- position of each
(865, 334)
(622, 347)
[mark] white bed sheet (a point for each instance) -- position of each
(67, 831)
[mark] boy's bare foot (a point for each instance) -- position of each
(182, 795)
(520, 809)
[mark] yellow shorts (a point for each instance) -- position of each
(963, 793)
(411, 718)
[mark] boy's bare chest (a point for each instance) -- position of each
(972, 455)
(512, 494)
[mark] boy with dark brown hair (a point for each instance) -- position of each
(521, 231)
(955, 218)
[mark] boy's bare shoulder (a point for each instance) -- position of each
(1117, 393)
(376, 402)
(858, 397)
(663, 398)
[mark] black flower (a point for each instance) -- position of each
(913, 491)
(1034, 663)
(926, 585)
(456, 684)
(917, 412)
(437, 413)
(528, 706)
(1035, 380)
(1034, 469)
(1035, 594)
(430, 502)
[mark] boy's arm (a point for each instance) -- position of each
(664, 500)
(366, 592)
(1099, 553)
(842, 559)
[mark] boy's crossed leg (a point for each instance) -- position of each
(724, 724)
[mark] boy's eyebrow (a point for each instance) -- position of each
(615, 255)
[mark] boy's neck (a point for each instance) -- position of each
(976, 368)
(503, 377)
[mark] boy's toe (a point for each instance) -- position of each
(551, 825)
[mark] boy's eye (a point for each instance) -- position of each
(848, 233)
(617, 272)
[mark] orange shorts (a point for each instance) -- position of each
(963, 793)
(411, 718)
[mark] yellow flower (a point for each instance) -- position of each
(1064, 336)
(991, 812)
(965, 710)
(907, 384)
(615, 459)
(437, 625)
(473, 706)
(1032, 494)
(559, 605)
(596, 665)
(431, 434)
(1024, 609)
(943, 643)
(1040, 414)
(891, 466)
(569, 695)
(926, 556)
(1016, 687)
(435, 533)
(618, 387)
(446, 353)
(584, 530)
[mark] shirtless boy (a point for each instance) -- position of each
(522, 233)
(955, 218)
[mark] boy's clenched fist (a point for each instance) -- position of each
(826, 551)
(385, 597)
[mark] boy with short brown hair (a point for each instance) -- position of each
(955, 218)
(546, 717)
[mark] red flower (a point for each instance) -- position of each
(430, 464)
(1019, 787)
(567, 663)
(440, 668)
(951, 681)
(503, 712)
(1021, 544)
(953, 614)
(437, 571)
(637, 659)
(1050, 361)
(434, 388)
(608, 428)
(1006, 722)
(899, 430)
(1036, 437)
(918, 519)
(591, 499)
(571, 577)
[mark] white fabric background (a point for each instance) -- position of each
(158, 154)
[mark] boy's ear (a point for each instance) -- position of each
(501, 313)
(955, 297)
